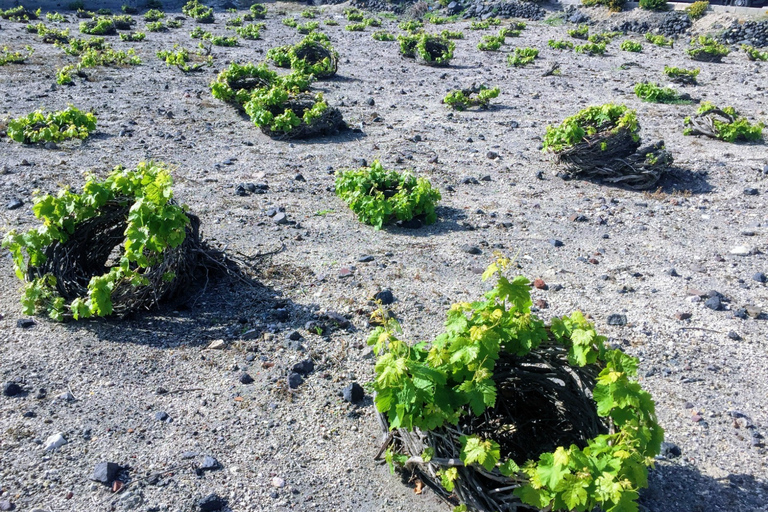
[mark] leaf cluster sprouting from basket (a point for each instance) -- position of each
(39, 126)
(722, 123)
(121, 245)
(379, 196)
(510, 414)
(601, 142)
(706, 49)
(474, 96)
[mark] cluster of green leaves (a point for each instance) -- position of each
(659, 40)
(589, 122)
(372, 22)
(753, 53)
(356, 27)
(78, 46)
(429, 385)
(155, 26)
(697, 9)
(217, 40)
(197, 11)
(173, 23)
(51, 127)
(55, 17)
(379, 196)
(738, 130)
(100, 26)
(153, 224)
(448, 34)
(522, 57)
(631, 46)
(681, 75)
(182, 59)
(436, 19)
(475, 97)
(485, 24)
(309, 13)
(269, 108)
(280, 55)
(123, 22)
(290, 22)
(612, 5)
(509, 32)
(560, 45)
(354, 14)
(411, 25)
(705, 48)
(133, 37)
(307, 27)
(237, 21)
(490, 43)
(322, 68)
(654, 93)
(129, 9)
(82, 13)
(425, 44)
(154, 15)
(580, 32)
(236, 83)
(250, 31)
(9, 57)
(20, 14)
(49, 35)
(197, 33)
(94, 52)
(259, 11)
(331, 22)
(654, 5)
(590, 48)
(383, 35)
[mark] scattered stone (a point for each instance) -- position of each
(295, 380)
(469, 180)
(66, 397)
(14, 204)
(740, 313)
(365, 258)
(672, 273)
(209, 463)
(617, 319)
(749, 191)
(471, 249)
(211, 503)
(541, 304)
(353, 393)
(217, 345)
(682, 315)
(25, 323)
(162, 416)
(539, 284)
(713, 303)
(54, 441)
(491, 155)
(385, 297)
(753, 311)
(278, 482)
(304, 367)
(11, 389)
(280, 218)
(338, 319)
(670, 450)
(41, 393)
(131, 500)
(734, 336)
(555, 243)
(6, 505)
(161, 391)
(577, 217)
(345, 272)
(105, 472)
(246, 379)
(741, 250)
(759, 277)
(299, 177)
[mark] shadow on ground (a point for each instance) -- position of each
(673, 487)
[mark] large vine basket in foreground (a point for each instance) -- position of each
(502, 412)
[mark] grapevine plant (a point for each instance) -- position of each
(52, 127)
(753, 53)
(631, 46)
(590, 122)
(379, 196)
(654, 93)
(449, 381)
(476, 96)
(704, 48)
(9, 57)
(681, 76)
(722, 123)
(659, 40)
(153, 224)
(522, 57)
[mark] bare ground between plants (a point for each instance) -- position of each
(710, 388)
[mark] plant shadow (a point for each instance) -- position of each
(237, 310)
(683, 488)
(448, 221)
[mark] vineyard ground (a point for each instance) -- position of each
(306, 448)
